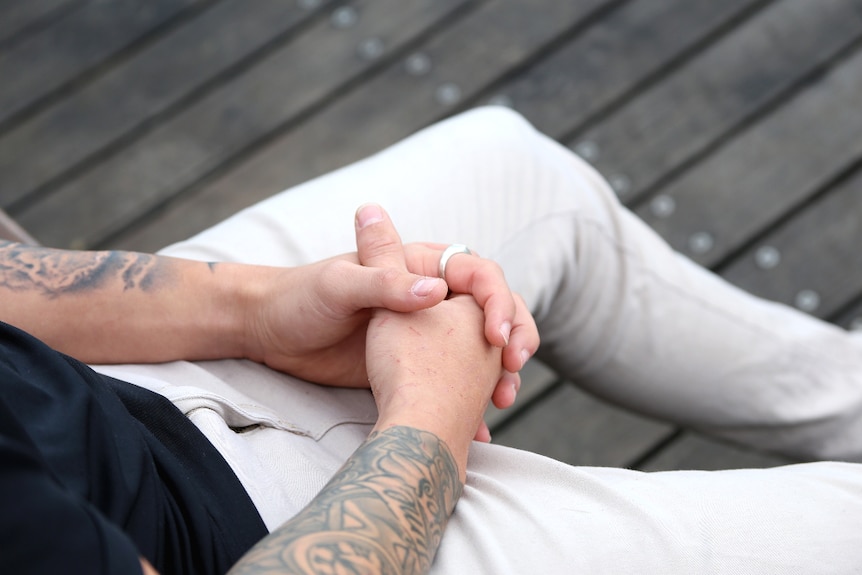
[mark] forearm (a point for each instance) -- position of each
(109, 307)
(383, 512)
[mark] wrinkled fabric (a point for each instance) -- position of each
(619, 313)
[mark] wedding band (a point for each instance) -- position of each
(448, 253)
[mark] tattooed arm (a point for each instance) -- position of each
(119, 306)
(432, 373)
(125, 307)
(385, 511)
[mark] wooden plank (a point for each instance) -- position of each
(767, 170)
(185, 148)
(812, 260)
(624, 49)
(430, 83)
(17, 16)
(92, 118)
(693, 451)
(718, 91)
(815, 252)
(10, 230)
(83, 38)
(851, 318)
(572, 427)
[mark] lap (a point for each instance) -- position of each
(520, 512)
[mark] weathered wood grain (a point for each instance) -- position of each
(770, 168)
(127, 97)
(572, 427)
(10, 230)
(460, 61)
(816, 251)
(611, 58)
(17, 16)
(73, 44)
(719, 91)
(711, 80)
(691, 451)
(226, 121)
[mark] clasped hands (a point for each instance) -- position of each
(380, 318)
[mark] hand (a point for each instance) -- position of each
(310, 321)
(431, 369)
(508, 322)
(485, 281)
(434, 370)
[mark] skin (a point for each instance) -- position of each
(372, 517)
(376, 318)
(385, 511)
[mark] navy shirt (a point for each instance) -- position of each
(96, 472)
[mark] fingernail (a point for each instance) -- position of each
(505, 331)
(514, 380)
(424, 286)
(368, 214)
(525, 355)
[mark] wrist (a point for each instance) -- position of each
(450, 426)
(238, 309)
(224, 297)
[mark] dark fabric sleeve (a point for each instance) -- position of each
(44, 528)
(95, 469)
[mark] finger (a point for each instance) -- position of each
(483, 434)
(506, 391)
(346, 288)
(484, 280)
(389, 285)
(377, 240)
(524, 340)
(481, 278)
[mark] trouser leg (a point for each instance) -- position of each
(524, 513)
(618, 311)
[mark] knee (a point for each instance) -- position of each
(495, 117)
(490, 126)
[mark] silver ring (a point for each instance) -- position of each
(448, 253)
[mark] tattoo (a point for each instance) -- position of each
(383, 512)
(57, 272)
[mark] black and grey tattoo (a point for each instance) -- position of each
(55, 272)
(383, 512)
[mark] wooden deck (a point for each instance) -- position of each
(732, 127)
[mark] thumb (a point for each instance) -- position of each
(379, 246)
(388, 288)
(377, 241)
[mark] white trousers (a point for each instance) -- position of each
(619, 313)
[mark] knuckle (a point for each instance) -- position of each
(389, 277)
(373, 246)
(382, 244)
(489, 271)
